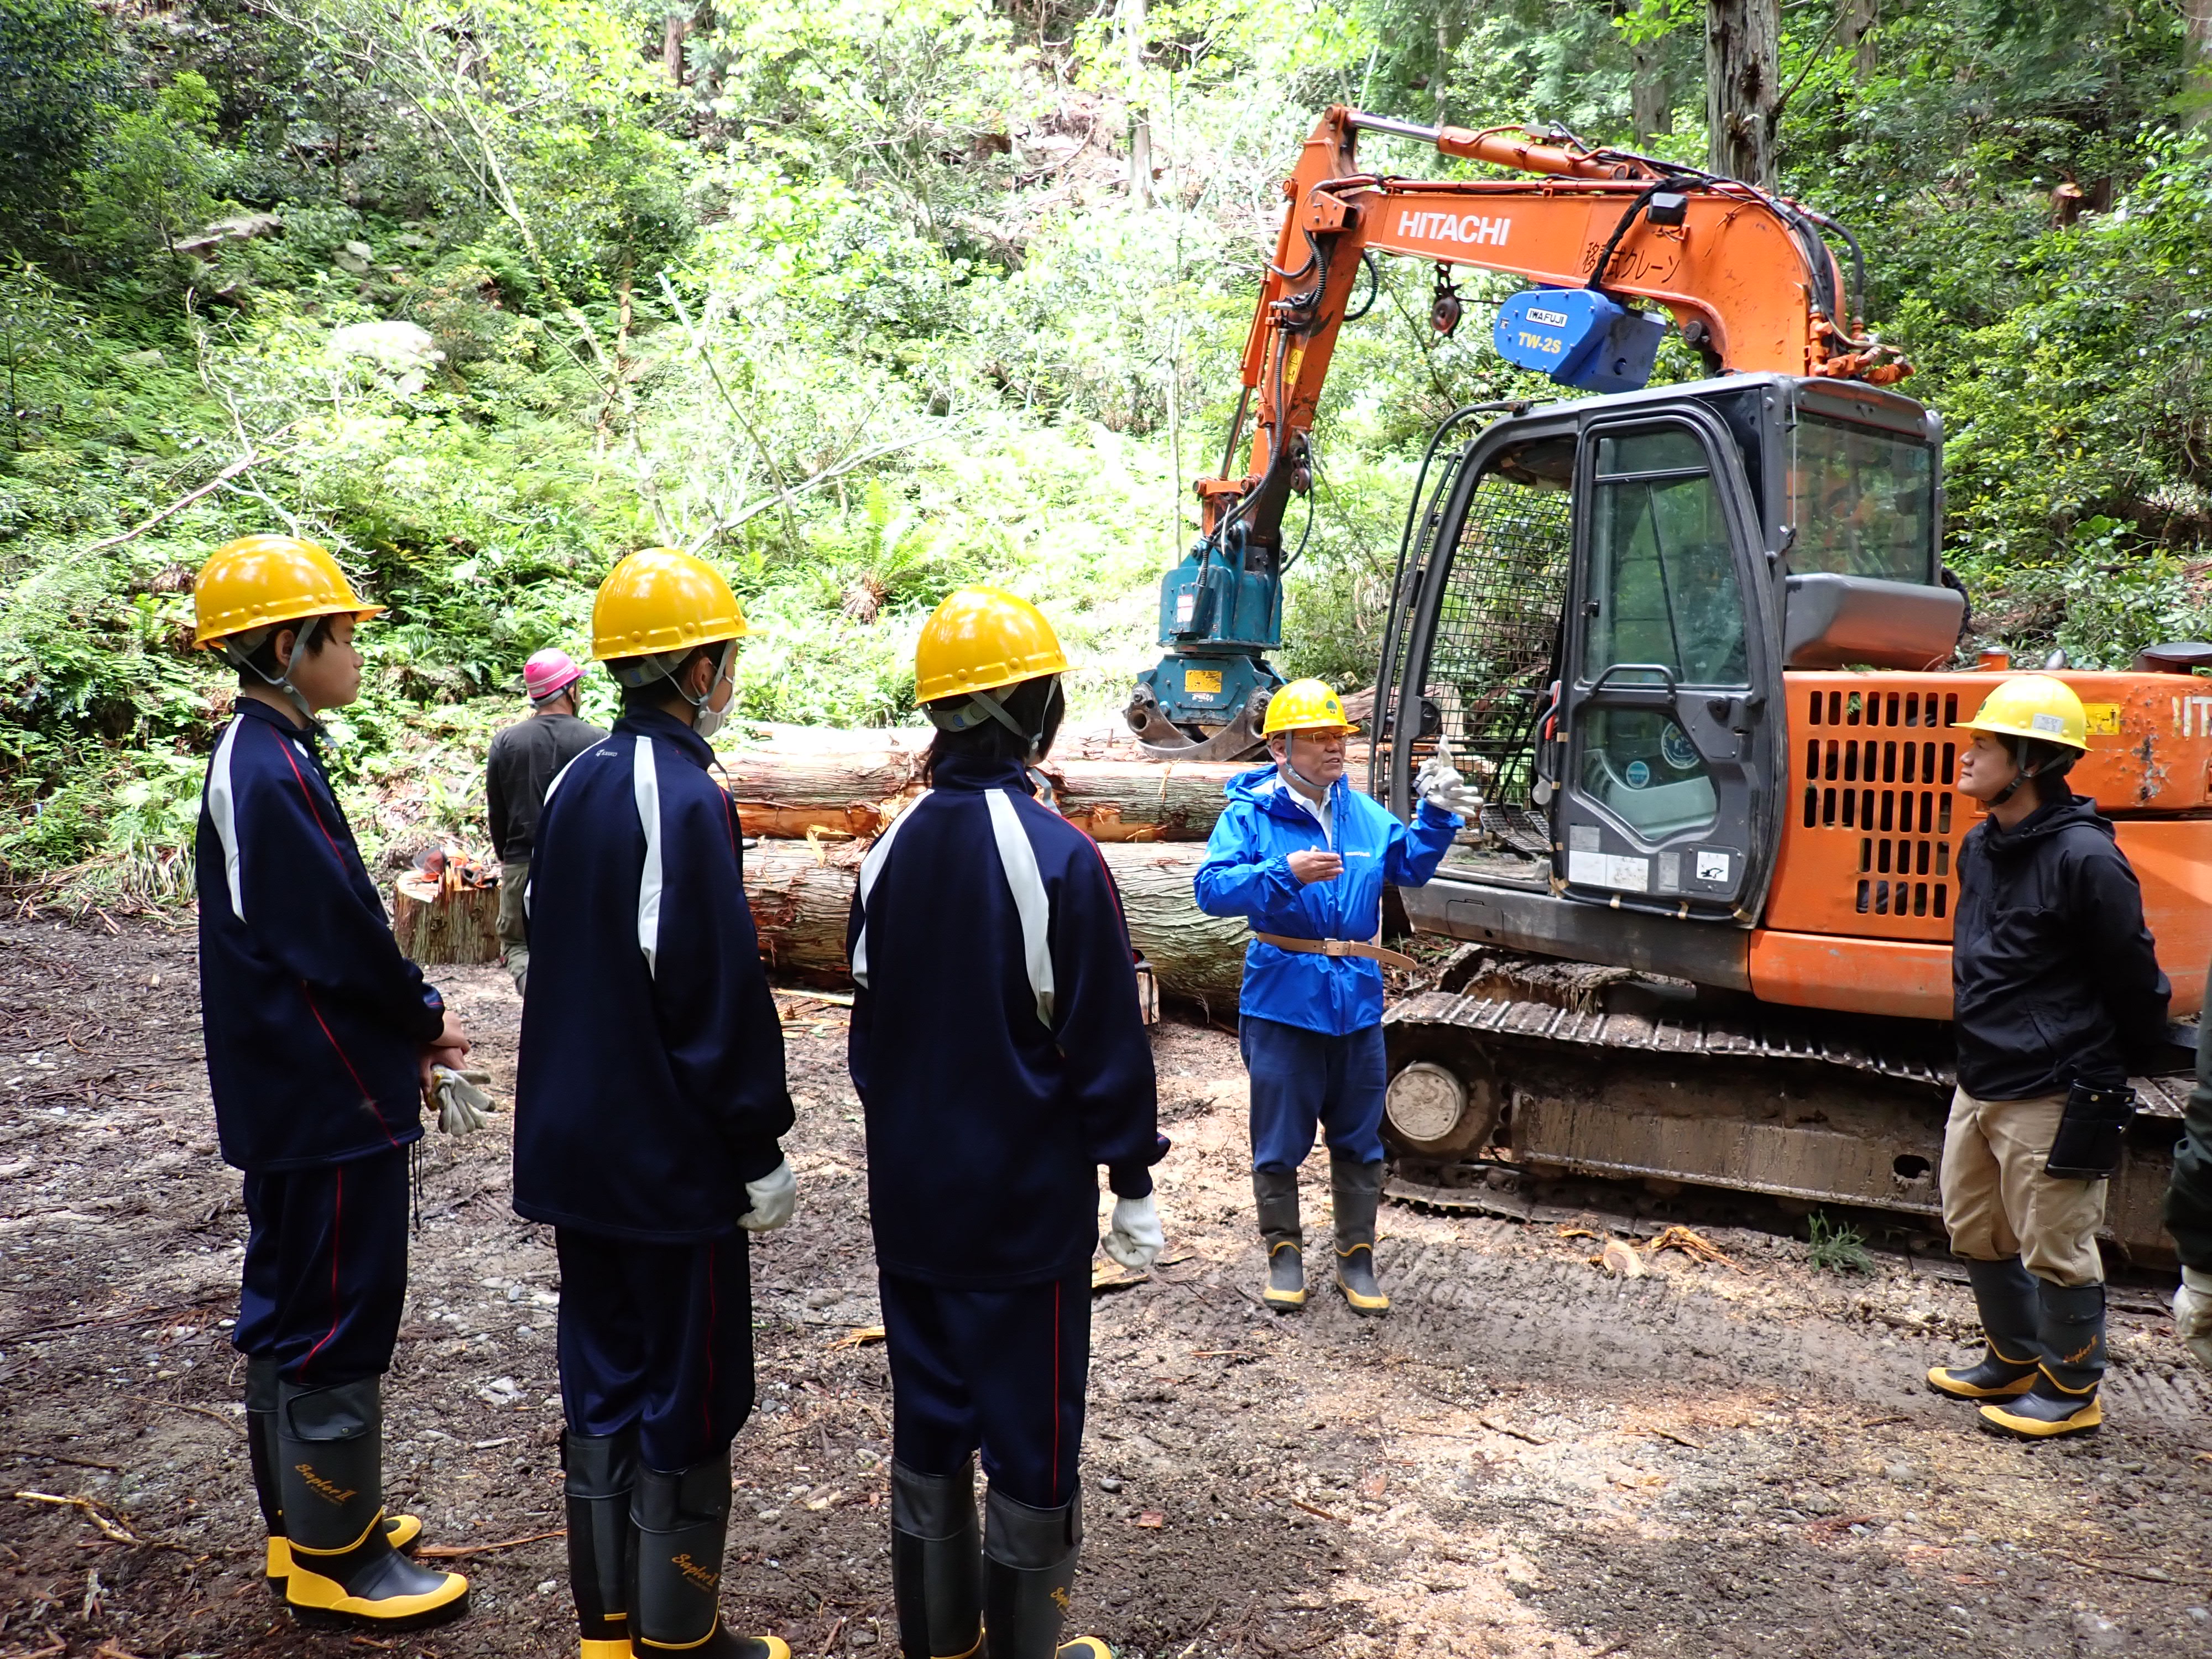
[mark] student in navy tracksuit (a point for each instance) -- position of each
(1001, 1055)
(319, 1038)
(1303, 857)
(649, 1096)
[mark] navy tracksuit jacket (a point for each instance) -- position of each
(1000, 1057)
(314, 1025)
(649, 1089)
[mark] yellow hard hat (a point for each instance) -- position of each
(257, 581)
(658, 599)
(1304, 706)
(980, 639)
(2033, 706)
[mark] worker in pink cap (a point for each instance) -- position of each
(526, 758)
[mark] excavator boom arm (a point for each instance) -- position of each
(1744, 274)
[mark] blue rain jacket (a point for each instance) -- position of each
(997, 1042)
(314, 1022)
(649, 1087)
(1246, 873)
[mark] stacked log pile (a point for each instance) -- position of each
(816, 801)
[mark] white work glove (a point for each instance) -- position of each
(2192, 1314)
(1135, 1239)
(1438, 783)
(770, 1199)
(462, 1108)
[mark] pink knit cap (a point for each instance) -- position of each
(549, 673)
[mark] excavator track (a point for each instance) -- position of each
(1791, 1103)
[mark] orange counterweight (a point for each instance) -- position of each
(1858, 918)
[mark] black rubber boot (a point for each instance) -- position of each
(1275, 1195)
(330, 1475)
(1028, 1567)
(2004, 1296)
(1357, 1190)
(679, 1523)
(403, 1530)
(937, 1563)
(598, 1472)
(2063, 1400)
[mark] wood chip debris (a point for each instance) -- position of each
(858, 1337)
(462, 1552)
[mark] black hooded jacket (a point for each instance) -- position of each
(2055, 978)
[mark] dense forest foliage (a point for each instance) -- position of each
(864, 299)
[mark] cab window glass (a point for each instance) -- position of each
(1663, 585)
(1862, 501)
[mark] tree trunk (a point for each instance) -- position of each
(674, 28)
(1140, 125)
(436, 923)
(2196, 62)
(1651, 105)
(1743, 91)
(802, 897)
(1447, 46)
(1856, 29)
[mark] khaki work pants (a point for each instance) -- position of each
(1997, 1202)
(514, 936)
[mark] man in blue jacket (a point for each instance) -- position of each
(319, 1039)
(1001, 1055)
(649, 1096)
(1303, 857)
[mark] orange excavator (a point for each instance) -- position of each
(1702, 638)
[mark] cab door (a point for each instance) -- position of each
(1665, 771)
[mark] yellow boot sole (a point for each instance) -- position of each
(1940, 1379)
(1997, 1419)
(320, 1601)
(595, 1648)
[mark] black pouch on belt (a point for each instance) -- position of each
(2088, 1145)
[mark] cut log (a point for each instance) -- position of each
(1140, 801)
(786, 791)
(802, 895)
(1196, 958)
(437, 923)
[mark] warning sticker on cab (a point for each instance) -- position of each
(2104, 719)
(1623, 874)
(1207, 680)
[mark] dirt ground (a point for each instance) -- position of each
(1529, 1457)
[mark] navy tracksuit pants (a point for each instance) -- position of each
(657, 1338)
(999, 1371)
(1302, 1080)
(325, 1271)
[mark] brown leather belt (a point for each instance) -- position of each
(1338, 947)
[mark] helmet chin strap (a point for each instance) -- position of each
(1290, 766)
(238, 653)
(981, 705)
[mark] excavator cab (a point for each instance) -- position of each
(1598, 598)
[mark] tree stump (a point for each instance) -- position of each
(435, 923)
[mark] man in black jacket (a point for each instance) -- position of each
(524, 760)
(2188, 1217)
(2057, 990)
